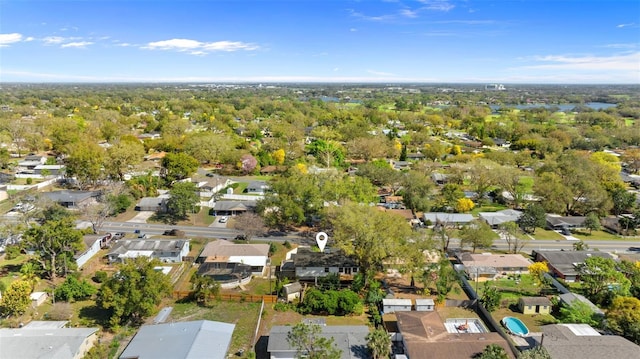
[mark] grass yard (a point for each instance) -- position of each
(243, 315)
(455, 312)
(599, 235)
(10, 269)
(547, 235)
(532, 321)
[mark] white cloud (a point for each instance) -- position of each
(620, 62)
(437, 5)
(53, 40)
(29, 39)
(78, 44)
(409, 13)
(353, 29)
(6, 39)
(195, 47)
(631, 24)
(621, 46)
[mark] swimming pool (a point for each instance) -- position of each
(515, 326)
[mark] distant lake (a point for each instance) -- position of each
(563, 107)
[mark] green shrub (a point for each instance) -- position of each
(100, 276)
(12, 252)
(281, 307)
(73, 289)
(29, 180)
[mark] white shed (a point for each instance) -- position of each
(396, 305)
(37, 298)
(425, 305)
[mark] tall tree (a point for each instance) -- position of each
(601, 279)
(306, 339)
(623, 318)
(85, 162)
(204, 287)
(179, 166)
(55, 243)
(416, 191)
(592, 222)
(532, 217)
(249, 224)
(476, 235)
(510, 232)
(133, 292)
(379, 344)
(122, 156)
(357, 230)
(183, 199)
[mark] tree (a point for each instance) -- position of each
(490, 297)
(55, 243)
(247, 163)
(357, 229)
(464, 205)
(279, 156)
(73, 289)
(580, 246)
(601, 279)
(417, 189)
(295, 198)
(329, 153)
(509, 231)
(15, 299)
(579, 312)
(179, 166)
(379, 344)
(306, 339)
(532, 217)
(29, 273)
(477, 235)
(204, 287)
(446, 278)
(592, 222)
(538, 270)
(123, 155)
(493, 351)
(623, 318)
(183, 199)
(622, 199)
(250, 224)
(133, 292)
(85, 162)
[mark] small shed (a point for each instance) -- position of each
(425, 305)
(38, 298)
(291, 291)
(534, 305)
(396, 305)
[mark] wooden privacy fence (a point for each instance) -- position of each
(230, 297)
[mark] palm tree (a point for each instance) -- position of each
(379, 344)
(29, 275)
(203, 288)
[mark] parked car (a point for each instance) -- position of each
(634, 249)
(173, 232)
(241, 237)
(223, 219)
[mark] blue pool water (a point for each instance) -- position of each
(515, 326)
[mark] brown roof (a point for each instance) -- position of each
(222, 248)
(494, 260)
(426, 337)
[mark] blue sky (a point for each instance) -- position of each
(507, 41)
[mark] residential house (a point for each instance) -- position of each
(257, 187)
(47, 342)
(493, 266)
(73, 199)
(227, 274)
(556, 222)
(350, 339)
(30, 162)
(565, 264)
(569, 341)
(495, 219)
(232, 208)
(306, 264)
(254, 255)
(534, 305)
(152, 204)
(49, 170)
(569, 298)
(425, 336)
(439, 178)
(447, 219)
(392, 305)
(166, 250)
(181, 340)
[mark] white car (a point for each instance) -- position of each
(223, 219)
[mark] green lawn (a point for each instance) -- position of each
(600, 236)
(243, 315)
(547, 235)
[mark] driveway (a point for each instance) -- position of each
(141, 217)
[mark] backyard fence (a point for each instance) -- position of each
(230, 297)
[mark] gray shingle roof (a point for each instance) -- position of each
(50, 343)
(188, 340)
(562, 343)
(351, 339)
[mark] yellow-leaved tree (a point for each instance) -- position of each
(464, 205)
(537, 271)
(279, 156)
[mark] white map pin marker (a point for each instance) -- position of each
(321, 239)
